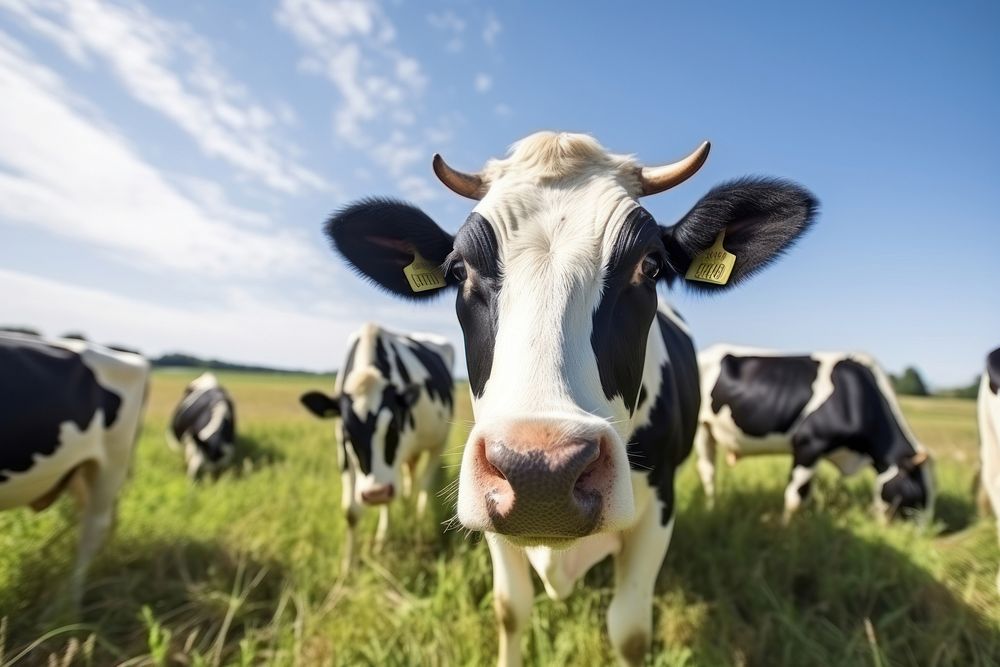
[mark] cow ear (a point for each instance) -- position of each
(320, 404)
(757, 219)
(410, 395)
(381, 237)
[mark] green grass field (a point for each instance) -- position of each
(246, 570)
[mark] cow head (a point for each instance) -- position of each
(373, 414)
(906, 488)
(209, 448)
(555, 274)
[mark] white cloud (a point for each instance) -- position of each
(492, 29)
(169, 68)
(66, 172)
(502, 110)
(449, 23)
(483, 83)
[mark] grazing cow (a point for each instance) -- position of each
(826, 405)
(989, 433)
(585, 390)
(394, 396)
(70, 413)
(204, 423)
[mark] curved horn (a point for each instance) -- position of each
(657, 179)
(467, 185)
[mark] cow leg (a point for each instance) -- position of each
(98, 491)
(431, 465)
(704, 447)
(383, 528)
(352, 512)
(630, 615)
(513, 593)
(406, 474)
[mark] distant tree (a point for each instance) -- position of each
(28, 331)
(909, 383)
(970, 390)
(74, 335)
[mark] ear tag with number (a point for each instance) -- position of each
(423, 275)
(713, 265)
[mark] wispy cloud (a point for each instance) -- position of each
(451, 25)
(492, 29)
(483, 82)
(171, 69)
(64, 170)
(353, 44)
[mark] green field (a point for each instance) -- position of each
(246, 571)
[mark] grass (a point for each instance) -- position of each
(245, 571)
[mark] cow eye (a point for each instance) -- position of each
(651, 267)
(458, 271)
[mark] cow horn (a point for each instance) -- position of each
(919, 458)
(657, 179)
(467, 185)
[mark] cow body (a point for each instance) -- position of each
(584, 385)
(204, 426)
(394, 397)
(825, 405)
(989, 433)
(71, 412)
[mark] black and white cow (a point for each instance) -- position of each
(394, 397)
(585, 388)
(989, 433)
(204, 425)
(836, 406)
(70, 413)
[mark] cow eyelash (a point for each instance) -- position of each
(652, 266)
(454, 268)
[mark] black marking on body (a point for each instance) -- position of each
(41, 388)
(191, 417)
(660, 446)
(766, 394)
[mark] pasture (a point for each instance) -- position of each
(246, 570)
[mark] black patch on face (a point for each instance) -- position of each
(622, 319)
(190, 417)
(643, 395)
(358, 434)
(41, 388)
(993, 370)
(477, 303)
(766, 394)
(659, 447)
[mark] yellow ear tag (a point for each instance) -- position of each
(423, 275)
(713, 265)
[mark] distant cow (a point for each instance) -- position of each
(989, 432)
(394, 396)
(584, 388)
(70, 413)
(204, 425)
(825, 405)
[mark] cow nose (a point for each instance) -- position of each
(379, 494)
(553, 491)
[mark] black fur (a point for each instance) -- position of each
(993, 370)
(377, 237)
(766, 394)
(41, 388)
(476, 306)
(190, 417)
(762, 217)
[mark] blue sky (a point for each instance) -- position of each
(165, 167)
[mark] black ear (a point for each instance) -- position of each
(410, 395)
(378, 238)
(320, 404)
(761, 217)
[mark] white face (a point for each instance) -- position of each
(544, 391)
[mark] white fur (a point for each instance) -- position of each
(989, 452)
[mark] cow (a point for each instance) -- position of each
(70, 413)
(989, 434)
(584, 386)
(204, 426)
(394, 400)
(836, 406)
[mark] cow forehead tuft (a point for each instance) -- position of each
(554, 155)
